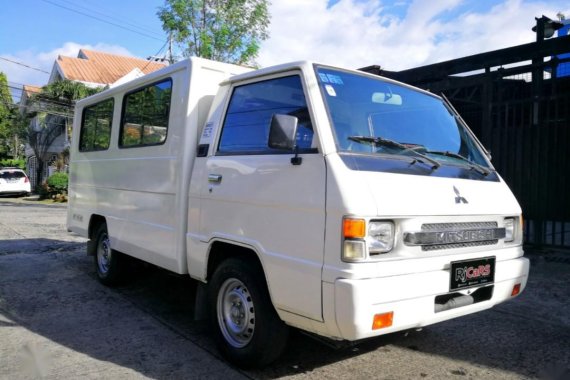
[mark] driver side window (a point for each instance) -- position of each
(248, 118)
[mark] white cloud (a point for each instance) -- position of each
(45, 61)
(353, 33)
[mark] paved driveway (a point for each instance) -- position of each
(56, 320)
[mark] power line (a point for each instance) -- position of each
(121, 20)
(48, 123)
(156, 54)
(102, 20)
(22, 84)
(12, 87)
(23, 64)
(42, 98)
(16, 97)
(55, 113)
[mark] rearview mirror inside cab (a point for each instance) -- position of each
(387, 98)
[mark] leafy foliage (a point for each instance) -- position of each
(146, 115)
(58, 181)
(66, 91)
(7, 114)
(96, 126)
(227, 31)
(54, 188)
(13, 163)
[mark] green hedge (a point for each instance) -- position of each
(58, 181)
(54, 188)
(13, 163)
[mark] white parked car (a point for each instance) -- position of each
(14, 181)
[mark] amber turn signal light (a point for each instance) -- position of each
(353, 228)
(516, 290)
(382, 320)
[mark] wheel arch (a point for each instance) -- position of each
(94, 222)
(221, 250)
(246, 344)
(218, 252)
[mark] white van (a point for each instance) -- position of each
(330, 200)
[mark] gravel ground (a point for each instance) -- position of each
(57, 321)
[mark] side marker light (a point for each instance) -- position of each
(516, 290)
(382, 320)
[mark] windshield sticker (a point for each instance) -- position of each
(330, 90)
(334, 79)
(324, 78)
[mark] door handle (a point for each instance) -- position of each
(214, 178)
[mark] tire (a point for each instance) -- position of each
(109, 263)
(247, 329)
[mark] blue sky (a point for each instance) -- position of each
(395, 34)
(44, 25)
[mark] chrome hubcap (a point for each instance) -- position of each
(236, 314)
(104, 254)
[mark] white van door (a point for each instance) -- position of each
(255, 195)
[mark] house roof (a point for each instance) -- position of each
(104, 68)
(29, 89)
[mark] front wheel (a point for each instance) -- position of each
(108, 262)
(247, 329)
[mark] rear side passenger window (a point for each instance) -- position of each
(145, 115)
(248, 118)
(95, 133)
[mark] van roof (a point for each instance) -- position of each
(246, 73)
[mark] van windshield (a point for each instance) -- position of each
(373, 116)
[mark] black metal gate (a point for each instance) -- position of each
(532, 154)
(522, 115)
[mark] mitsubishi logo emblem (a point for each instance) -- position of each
(459, 198)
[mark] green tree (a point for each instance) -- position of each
(61, 96)
(6, 117)
(19, 134)
(222, 30)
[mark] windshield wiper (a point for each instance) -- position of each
(379, 141)
(472, 165)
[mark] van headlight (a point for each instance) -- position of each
(380, 236)
(509, 224)
(362, 238)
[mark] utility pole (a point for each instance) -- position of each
(544, 28)
(537, 68)
(170, 55)
(16, 152)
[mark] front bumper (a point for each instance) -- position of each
(411, 297)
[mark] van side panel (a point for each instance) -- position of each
(142, 192)
(134, 188)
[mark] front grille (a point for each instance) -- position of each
(433, 228)
(457, 226)
(436, 247)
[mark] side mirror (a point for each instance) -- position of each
(283, 132)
